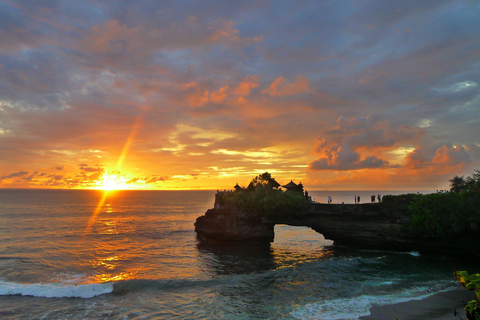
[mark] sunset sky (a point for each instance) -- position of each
(340, 95)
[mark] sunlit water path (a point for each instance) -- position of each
(140, 259)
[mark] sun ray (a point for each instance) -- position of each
(110, 181)
(127, 144)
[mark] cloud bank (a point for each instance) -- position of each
(196, 95)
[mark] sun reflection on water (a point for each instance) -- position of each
(109, 265)
(297, 245)
(105, 277)
(107, 242)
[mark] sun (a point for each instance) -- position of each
(110, 182)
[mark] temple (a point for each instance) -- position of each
(292, 186)
(289, 187)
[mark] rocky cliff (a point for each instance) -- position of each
(226, 225)
(367, 226)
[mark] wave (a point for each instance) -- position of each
(90, 290)
(55, 290)
(356, 307)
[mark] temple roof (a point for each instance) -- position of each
(274, 183)
(291, 184)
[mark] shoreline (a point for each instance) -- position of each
(439, 306)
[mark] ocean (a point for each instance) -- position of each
(136, 256)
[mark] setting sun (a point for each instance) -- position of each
(111, 182)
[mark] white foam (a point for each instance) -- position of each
(55, 290)
(353, 308)
(70, 278)
(338, 309)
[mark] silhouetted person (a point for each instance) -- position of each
(355, 198)
(358, 199)
(379, 197)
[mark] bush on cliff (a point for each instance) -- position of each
(440, 214)
(445, 214)
(262, 199)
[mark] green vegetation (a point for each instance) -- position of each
(471, 282)
(263, 199)
(445, 214)
(471, 183)
(441, 214)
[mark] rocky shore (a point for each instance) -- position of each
(366, 226)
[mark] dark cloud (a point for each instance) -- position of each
(14, 175)
(156, 179)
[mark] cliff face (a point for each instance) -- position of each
(374, 226)
(366, 226)
(224, 225)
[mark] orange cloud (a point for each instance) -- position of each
(278, 88)
(357, 143)
(245, 87)
(197, 98)
(219, 96)
(370, 144)
(451, 156)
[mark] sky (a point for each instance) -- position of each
(338, 95)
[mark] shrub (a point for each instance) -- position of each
(470, 282)
(445, 214)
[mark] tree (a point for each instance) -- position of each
(264, 179)
(457, 184)
(475, 180)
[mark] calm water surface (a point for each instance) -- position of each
(137, 257)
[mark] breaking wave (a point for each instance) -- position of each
(90, 290)
(55, 290)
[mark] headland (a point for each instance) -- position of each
(398, 223)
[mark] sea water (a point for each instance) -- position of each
(77, 254)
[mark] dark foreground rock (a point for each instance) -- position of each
(365, 226)
(224, 225)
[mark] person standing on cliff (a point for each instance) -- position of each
(355, 198)
(358, 199)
